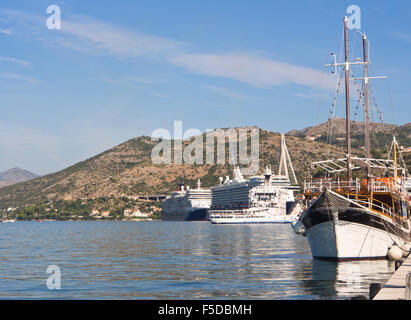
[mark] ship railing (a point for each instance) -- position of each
(318, 186)
(377, 206)
(387, 185)
(236, 211)
(354, 186)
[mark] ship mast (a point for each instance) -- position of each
(285, 160)
(366, 113)
(395, 162)
(347, 102)
(367, 123)
(346, 65)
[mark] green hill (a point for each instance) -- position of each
(127, 169)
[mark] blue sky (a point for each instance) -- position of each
(120, 69)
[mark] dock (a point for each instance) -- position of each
(394, 289)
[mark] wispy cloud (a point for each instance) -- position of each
(115, 40)
(5, 31)
(254, 70)
(16, 61)
(16, 76)
(312, 96)
(226, 92)
(158, 94)
(86, 34)
(128, 80)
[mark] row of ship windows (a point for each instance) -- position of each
(231, 217)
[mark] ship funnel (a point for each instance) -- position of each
(268, 171)
(237, 176)
(267, 175)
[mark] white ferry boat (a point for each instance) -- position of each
(260, 199)
(187, 204)
(7, 219)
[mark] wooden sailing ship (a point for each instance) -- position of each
(356, 218)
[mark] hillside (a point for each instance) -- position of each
(381, 135)
(338, 128)
(127, 169)
(15, 175)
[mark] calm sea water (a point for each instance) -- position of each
(173, 260)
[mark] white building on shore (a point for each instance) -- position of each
(135, 213)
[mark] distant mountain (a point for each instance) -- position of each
(381, 135)
(127, 169)
(15, 175)
(338, 128)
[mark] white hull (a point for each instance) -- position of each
(347, 230)
(250, 218)
(250, 221)
(8, 221)
(347, 240)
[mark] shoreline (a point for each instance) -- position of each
(85, 220)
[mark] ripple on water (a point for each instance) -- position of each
(173, 260)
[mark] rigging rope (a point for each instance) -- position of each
(339, 75)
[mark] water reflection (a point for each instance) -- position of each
(173, 260)
(331, 279)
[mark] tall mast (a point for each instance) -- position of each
(367, 123)
(395, 161)
(346, 65)
(285, 160)
(347, 101)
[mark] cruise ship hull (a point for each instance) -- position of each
(197, 215)
(248, 216)
(173, 216)
(248, 220)
(200, 214)
(187, 205)
(348, 231)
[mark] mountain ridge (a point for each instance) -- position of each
(15, 175)
(338, 125)
(127, 170)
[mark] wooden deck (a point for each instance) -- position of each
(394, 289)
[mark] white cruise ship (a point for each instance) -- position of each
(260, 199)
(187, 204)
(408, 185)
